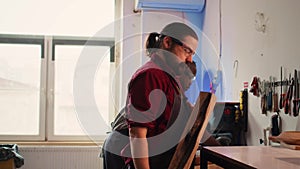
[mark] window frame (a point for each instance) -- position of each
(46, 110)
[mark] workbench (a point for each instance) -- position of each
(250, 157)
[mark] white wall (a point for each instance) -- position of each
(258, 54)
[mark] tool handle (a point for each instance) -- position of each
(286, 107)
(275, 102)
(295, 108)
(280, 102)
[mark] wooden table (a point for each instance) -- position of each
(249, 157)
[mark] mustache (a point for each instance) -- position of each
(187, 68)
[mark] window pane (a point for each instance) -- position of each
(65, 117)
(56, 17)
(20, 68)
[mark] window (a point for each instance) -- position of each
(19, 87)
(40, 44)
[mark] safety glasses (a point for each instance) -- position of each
(186, 49)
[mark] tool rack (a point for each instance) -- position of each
(289, 101)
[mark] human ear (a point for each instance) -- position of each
(167, 42)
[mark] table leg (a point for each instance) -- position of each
(203, 160)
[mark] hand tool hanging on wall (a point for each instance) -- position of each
(296, 95)
(284, 96)
(245, 106)
(281, 94)
(263, 102)
(275, 97)
(291, 96)
(255, 86)
(288, 98)
(270, 96)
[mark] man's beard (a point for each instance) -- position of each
(173, 61)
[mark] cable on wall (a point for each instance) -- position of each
(218, 76)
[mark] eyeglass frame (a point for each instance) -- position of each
(186, 49)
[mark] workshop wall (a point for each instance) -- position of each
(258, 37)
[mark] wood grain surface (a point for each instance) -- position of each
(187, 147)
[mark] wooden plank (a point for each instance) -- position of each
(289, 146)
(187, 147)
(8, 164)
(288, 137)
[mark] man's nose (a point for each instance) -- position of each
(189, 59)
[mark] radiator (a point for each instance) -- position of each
(61, 157)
